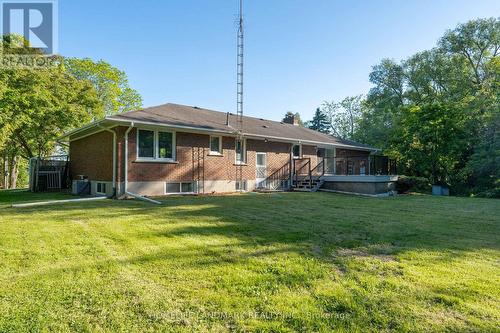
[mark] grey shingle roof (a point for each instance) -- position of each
(204, 119)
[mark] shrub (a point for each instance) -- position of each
(407, 184)
(490, 193)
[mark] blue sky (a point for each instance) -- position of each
(298, 52)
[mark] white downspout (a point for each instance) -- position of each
(114, 157)
(126, 158)
(137, 196)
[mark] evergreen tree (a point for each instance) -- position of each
(319, 122)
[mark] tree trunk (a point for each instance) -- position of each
(5, 173)
(1, 174)
(13, 171)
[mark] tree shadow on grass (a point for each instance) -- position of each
(185, 257)
(314, 223)
(260, 233)
(349, 222)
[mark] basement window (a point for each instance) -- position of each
(155, 145)
(241, 185)
(100, 188)
(180, 187)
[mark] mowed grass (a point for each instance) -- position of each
(268, 262)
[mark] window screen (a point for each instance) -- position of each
(165, 143)
(146, 143)
(362, 168)
(350, 168)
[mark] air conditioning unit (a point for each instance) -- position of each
(83, 187)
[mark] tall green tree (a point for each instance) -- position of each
(111, 84)
(431, 137)
(39, 105)
(343, 117)
(319, 122)
(458, 81)
(477, 42)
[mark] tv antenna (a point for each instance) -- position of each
(239, 92)
(239, 98)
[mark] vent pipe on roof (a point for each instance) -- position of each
(227, 119)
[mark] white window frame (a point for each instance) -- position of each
(213, 152)
(243, 153)
(300, 151)
(195, 186)
(156, 146)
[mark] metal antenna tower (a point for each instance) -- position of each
(239, 95)
(239, 92)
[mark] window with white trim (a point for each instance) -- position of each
(215, 145)
(241, 151)
(180, 187)
(155, 145)
(297, 151)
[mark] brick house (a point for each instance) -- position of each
(177, 149)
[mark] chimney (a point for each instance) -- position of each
(291, 119)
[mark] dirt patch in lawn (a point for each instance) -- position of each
(362, 253)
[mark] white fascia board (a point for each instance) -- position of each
(98, 129)
(190, 129)
(80, 129)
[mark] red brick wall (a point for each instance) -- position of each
(195, 162)
(277, 154)
(92, 156)
(308, 152)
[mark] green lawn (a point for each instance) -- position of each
(277, 262)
